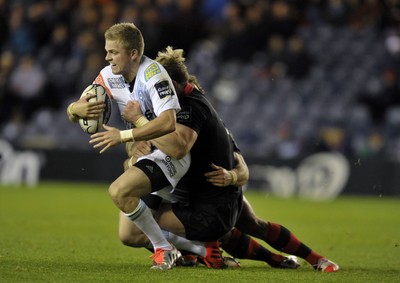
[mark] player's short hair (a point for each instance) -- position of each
(128, 35)
(174, 62)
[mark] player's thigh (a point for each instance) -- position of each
(167, 220)
(133, 182)
(249, 223)
(247, 214)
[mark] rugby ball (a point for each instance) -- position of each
(92, 126)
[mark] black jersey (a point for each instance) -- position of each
(213, 145)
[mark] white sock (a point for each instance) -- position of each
(182, 243)
(143, 218)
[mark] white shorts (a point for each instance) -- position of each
(173, 169)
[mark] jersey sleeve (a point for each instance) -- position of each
(161, 89)
(191, 115)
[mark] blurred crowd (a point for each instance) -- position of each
(50, 50)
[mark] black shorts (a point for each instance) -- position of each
(152, 201)
(207, 222)
(154, 173)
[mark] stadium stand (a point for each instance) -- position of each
(287, 77)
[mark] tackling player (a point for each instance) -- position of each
(237, 243)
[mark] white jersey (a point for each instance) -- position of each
(154, 90)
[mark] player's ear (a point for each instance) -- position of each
(134, 54)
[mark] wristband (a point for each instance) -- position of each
(70, 111)
(141, 121)
(126, 136)
(234, 177)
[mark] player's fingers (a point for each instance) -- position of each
(94, 140)
(94, 116)
(89, 96)
(96, 135)
(107, 127)
(105, 142)
(214, 179)
(212, 174)
(97, 104)
(215, 166)
(97, 139)
(105, 148)
(91, 115)
(95, 110)
(98, 145)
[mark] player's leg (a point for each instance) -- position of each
(206, 222)
(280, 238)
(242, 246)
(126, 191)
(130, 235)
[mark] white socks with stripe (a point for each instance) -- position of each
(182, 243)
(143, 218)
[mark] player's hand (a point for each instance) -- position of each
(110, 137)
(219, 177)
(132, 111)
(141, 148)
(88, 110)
(136, 150)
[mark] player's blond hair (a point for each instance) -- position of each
(128, 35)
(174, 62)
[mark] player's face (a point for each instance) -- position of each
(120, 60)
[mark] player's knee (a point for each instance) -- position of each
(115, 192)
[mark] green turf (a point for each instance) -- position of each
(68, 233)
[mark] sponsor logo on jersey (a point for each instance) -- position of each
(116, 82)
(151, 71)
(164, 89)
(185, 115)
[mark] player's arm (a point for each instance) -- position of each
(163, 124)
(237, 176)
(82, 108)
(175, 144)
(178, 143)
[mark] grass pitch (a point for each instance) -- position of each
(68, 233)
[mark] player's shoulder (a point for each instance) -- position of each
(194, 98)
(150, 70)
(107, 78)
(196, 102)
(107, 72)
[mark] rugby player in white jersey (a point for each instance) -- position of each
(133, 80)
